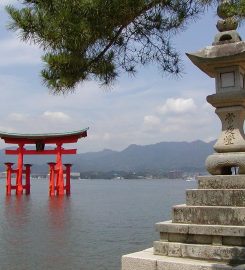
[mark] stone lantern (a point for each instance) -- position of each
(208, 232)
(225, 61)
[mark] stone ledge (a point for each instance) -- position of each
(215, 197)
(212, 215)
(221, 182)
(146, 260)
(197, 251)
(180, 228)
(216, 162)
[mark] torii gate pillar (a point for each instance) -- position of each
(19, 186)
(59, 168)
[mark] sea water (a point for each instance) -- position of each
(89, 230)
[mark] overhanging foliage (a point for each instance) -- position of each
(98, 39)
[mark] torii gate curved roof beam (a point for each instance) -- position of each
(46, 138)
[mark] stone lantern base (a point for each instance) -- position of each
(146, 260)
(208, 232)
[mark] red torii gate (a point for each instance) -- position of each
(56, 179)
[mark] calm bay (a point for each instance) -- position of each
(91, 229)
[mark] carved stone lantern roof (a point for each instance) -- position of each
(212, 57)
(228, 49)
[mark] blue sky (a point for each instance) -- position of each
(145, 109)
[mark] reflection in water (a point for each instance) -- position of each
(57, 211)
(58, 226)
(35, 235)
(89, 230)
(14, 233)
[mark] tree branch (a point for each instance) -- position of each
(113, 40)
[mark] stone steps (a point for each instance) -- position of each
(182, 228)
(201, 234)
(146, 260)
(196, 251)
(215, 215)
(215, 197)
(211, 225)
(221, 182)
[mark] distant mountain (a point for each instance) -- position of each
(160, 156)
(155, 157)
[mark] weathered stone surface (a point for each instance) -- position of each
(202, 234)
(233, 241)
(146, 258)
(139, 261)
(221, 182)
(216, 163)
(206, 252)
(179, 228)
(190, 238)
(215, 197)
(215, 240)
(170, 227)
(211, 57)
(209, 215)
(226, 29)
(227, 99)
(232, 137)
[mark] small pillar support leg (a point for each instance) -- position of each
(68, 178)
(28, 178)
(8, 177)
(51, 178)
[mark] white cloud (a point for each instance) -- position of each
(151, 120)
(127, 114)
(107, 136)
(15, 52)
(17, 116)
(59, 116)
(178, 105)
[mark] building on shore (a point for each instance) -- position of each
(175, 174)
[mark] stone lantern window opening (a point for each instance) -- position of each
(227, 170)
(230, 170)
(229, 79)
(225, 37)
